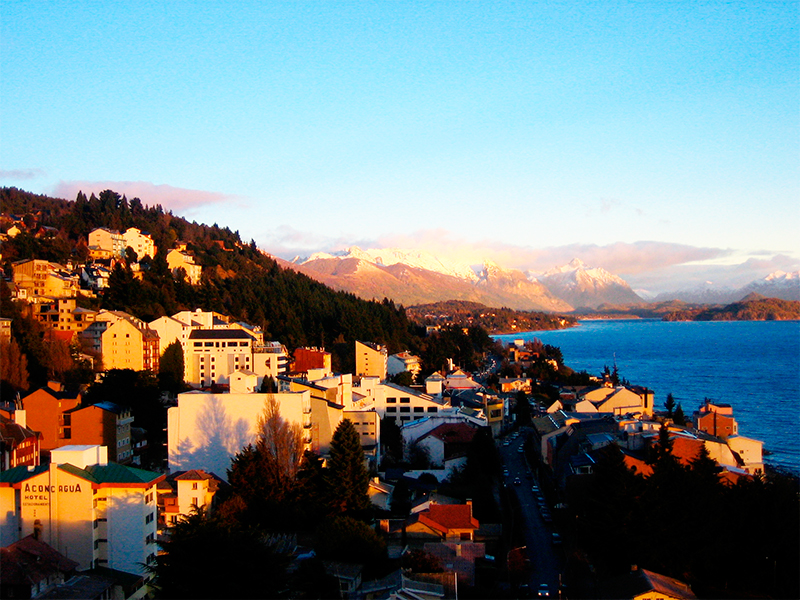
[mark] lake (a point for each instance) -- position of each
(752, 365)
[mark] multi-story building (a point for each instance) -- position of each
(96, 513)
(44, 409)
(129, 343)
(63, 314)
(107, 240)
(39, 278)
(403, 361)
(19, 445)
(170, 330)
(716, 419)
(206, 430)
(211, 355)
(61, 420)
(178, 259)
(185, 491)
(103, 424)
(371, 360)
(116, 242)
(5, 329)
(397, 402)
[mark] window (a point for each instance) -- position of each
(419, 409)
(198, 344)
(208, 344)
(432, 409)
(405, 409)
(405, 400)
(466, 536)
(405, 418)
(391, 409)
(391, 400)
(194, 485)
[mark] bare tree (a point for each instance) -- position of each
(280, 442)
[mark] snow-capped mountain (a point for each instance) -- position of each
(417, 277)
(587, 287)
(419, 259)
(778, 284)
(704, 293)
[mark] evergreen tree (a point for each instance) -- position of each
(171, 368)
(679, 418)
(669, 404)
(347, 476)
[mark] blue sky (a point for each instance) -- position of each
(658, 140)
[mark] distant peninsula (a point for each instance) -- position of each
(494, 320)
(753, 307)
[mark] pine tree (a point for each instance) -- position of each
(679, 418)
(347, 476)
(669, 404)
(171, 368)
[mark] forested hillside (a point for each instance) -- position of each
(238, 279)
(494, 320)
(752, 308)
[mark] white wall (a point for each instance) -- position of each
(206, 430)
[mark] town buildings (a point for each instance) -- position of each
(42, 278)
(115, 242)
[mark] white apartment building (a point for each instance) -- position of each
(206, 430)
(96, 513)
(116, 242)
(211, 355)
(394, 401)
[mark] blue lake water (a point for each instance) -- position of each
(752, 365)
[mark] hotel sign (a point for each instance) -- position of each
(36, 494)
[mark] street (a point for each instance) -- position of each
(544, 554)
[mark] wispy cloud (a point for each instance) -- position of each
(176, 199)
(25, 174)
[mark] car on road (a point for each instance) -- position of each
(556, 538)
(505, 472)
(535, 488)
(544, 591)
(520, 449)
(517, 481)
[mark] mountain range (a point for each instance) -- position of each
(412, 277)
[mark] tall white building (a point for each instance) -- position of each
(96, 513)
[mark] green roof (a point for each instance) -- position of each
(21, 473)
(110, 473)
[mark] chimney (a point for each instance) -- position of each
(21, 417)
(634, 569)
(458, 550)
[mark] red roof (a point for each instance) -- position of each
(444, 517)
(457, 433)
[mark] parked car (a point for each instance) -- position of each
(556, 538)
(544, 591)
